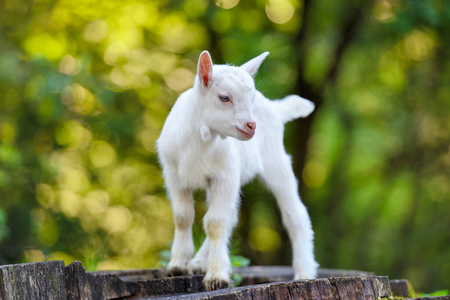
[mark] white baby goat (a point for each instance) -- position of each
(218, 136)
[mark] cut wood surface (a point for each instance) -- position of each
(251, 275)
(52, 280)
(369, 287)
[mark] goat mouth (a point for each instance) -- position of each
(247, 134)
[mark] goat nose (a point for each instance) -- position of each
(251, 125)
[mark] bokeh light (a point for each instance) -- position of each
(279, 11)
(264, 239)
(227, 4)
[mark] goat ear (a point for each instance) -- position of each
(252, 65)
(204, 69)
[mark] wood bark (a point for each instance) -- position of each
(98, 285)
(43, 280)
(402, 288)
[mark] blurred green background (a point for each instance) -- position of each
(85, 87)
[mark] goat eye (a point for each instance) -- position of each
(224, 98)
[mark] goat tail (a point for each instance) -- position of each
(293, 107)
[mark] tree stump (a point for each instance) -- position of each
(51, 280)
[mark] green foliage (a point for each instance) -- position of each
(237, 278)
(86, 85)
(94, 254)
(3, 228)
(164, 258)
(239, 261)
(435, 293)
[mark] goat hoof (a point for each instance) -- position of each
(176, 272)
(217, 284)
(197, 267)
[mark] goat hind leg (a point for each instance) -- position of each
(199, 264)
(280, 179)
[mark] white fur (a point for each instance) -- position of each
(208, 144)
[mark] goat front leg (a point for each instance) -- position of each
(223, 197)
(182, 246)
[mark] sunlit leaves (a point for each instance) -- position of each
(162, 62)
(114, 52)
(69, 65)
(179, 35)
(179, 79)
(383, 11)
(117, 218)
(80, 100)
(419, 45)
(101, 154)
(9, 156)
(45, 195)
(47, 229)
(51, 47)
(96, 31)
(79, 58)
(73, 135)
